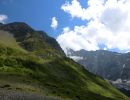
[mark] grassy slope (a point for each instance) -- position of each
(8, 40)
(35, 44)
(60, 77)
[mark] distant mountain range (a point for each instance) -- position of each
(34, 67)
(112, 66)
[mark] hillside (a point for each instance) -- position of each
(109, 65)
(33, 64)
(36, 42)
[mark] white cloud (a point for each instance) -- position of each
(3, 18)
(54, 23)
(108, 23)
(74, 40)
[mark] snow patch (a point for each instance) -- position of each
(76, 58)
(117, 81)
(124, 66)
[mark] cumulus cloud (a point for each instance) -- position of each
(54, 23)
(107, 24)
(3, 18)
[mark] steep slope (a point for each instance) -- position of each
(34, 41)
(104, 63)
(8, 39)
(25, 73)
(109, 65)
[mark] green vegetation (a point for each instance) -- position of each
(54, 75)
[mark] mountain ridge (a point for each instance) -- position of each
(110, 65)
(32, 40)
(36, 66)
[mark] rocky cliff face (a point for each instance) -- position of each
(109, 65)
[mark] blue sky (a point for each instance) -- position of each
(38, 14)
(77, 24)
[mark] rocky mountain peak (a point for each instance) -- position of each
(107, 64)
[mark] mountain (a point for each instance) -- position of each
(34, 41)
(112, 66)
(34, 67)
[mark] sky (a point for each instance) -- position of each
(75, 24)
